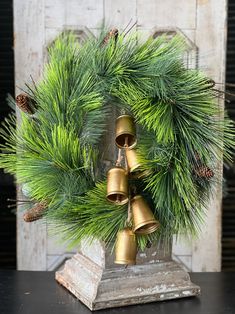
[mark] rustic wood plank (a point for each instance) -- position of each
(100, 288)
(211, 40)
(28, 47)
(120, 13)
(56, 246)
(181, 13)
(62, 13)
(55, 14)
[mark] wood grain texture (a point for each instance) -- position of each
(211, 38)
(93, 277)
(120, 13)
(181, 13)
(55, 14)
(28, 48)
(100, 288)
(62, 13)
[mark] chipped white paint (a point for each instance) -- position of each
(103, 287)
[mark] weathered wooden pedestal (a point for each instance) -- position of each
(94, 279)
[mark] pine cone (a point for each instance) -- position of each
(35, 212)
(204, 172)
(112, 33)
(25, 103)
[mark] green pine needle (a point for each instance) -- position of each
(57, 151)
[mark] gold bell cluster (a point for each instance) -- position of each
(140, 219)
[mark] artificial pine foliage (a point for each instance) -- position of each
(57, 154)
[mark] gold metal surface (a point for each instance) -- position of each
(125, 131)
(134, 165)
(144, 221)
(137, 174)
(132, 160)
(117, 186)
(126, 247)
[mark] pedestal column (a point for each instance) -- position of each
(94, 279)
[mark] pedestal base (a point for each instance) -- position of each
(100, 288)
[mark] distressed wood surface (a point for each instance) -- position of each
(120, 13)
(180, 13)
(28, 48)
(84, 12)
(100, 288)
(211, 38)
(104, 256)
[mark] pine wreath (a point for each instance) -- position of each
(56, 150)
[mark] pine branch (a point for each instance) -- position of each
(57, 153)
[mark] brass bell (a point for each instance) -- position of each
(144, 221)
(126, 247)
(117, 186)
(134, 165)
(125, 131)
(132, 161)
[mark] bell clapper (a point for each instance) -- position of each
(125, 148)
(118, 198)
(126, 142)
(119, 159)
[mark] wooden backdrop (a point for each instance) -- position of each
(202, 22)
